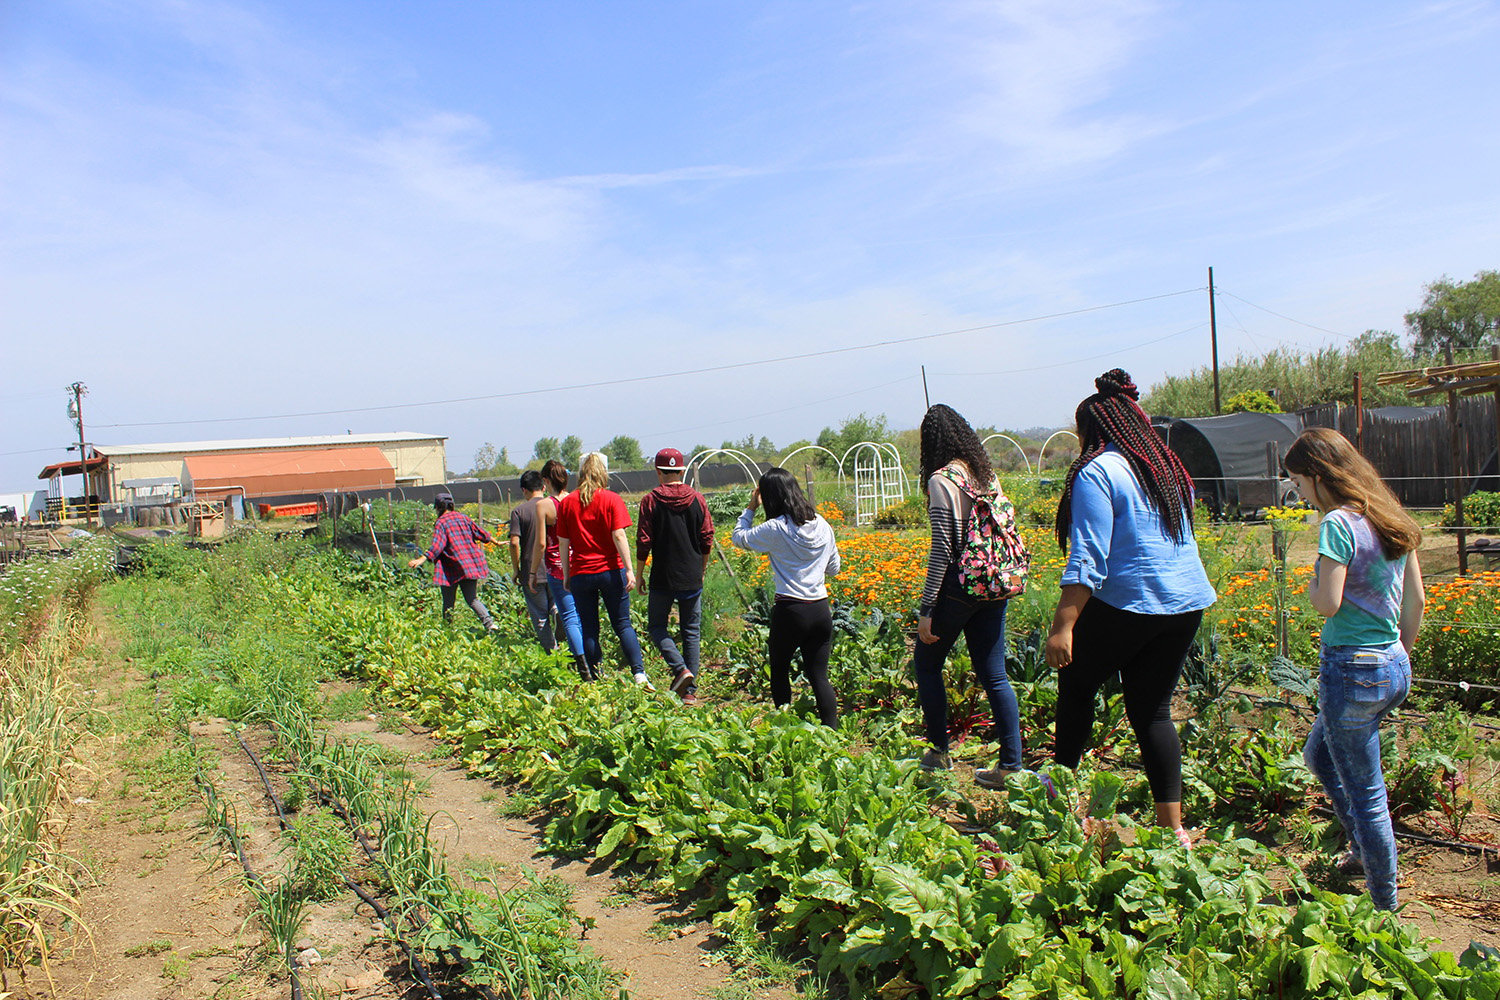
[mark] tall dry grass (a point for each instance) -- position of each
(42, 720)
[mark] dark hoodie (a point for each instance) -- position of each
(677, 531)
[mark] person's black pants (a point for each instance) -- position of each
(470, 589)
(806, 627)
(1147, 651)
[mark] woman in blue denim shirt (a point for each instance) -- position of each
(1367, 583)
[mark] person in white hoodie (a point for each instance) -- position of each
(803, 552)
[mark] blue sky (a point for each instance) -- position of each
(214, 210)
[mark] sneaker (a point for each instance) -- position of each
(690, 699)
(1184, 838)
(936, 760)
(682, 680)
(645, 682)
(1350, 864)
(492, 627)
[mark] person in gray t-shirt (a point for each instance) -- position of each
(531, 579)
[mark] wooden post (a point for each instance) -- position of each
(807, 475)
(1495, 356)
(1213, 336)
(744, 599)
(1455, 444)
(1359, 414)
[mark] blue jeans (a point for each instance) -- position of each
(587, 589)
(567, 611)
(539, 613)
(689, 619)
(983, 626)
(1357, 687)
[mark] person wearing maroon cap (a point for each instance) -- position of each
(676, 531)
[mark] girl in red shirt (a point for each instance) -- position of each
(595, 555)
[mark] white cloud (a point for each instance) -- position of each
(1044, 70)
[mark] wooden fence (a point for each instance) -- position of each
(1412, 446)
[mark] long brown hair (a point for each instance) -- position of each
(593, 475)
(1337, 469)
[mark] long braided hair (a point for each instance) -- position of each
(1111, 416)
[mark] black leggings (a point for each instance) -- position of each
(1147, 651)
(806, 626)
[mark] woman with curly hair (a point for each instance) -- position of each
(1133, 589)
(956, 470)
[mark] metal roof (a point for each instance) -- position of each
(69, 468)
(290, 470)
(263, 444)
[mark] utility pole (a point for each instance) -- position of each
(926, 399)
(75, 410)
(1213, 334)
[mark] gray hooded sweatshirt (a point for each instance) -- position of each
(801, 554)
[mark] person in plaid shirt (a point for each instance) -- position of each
(457, 562)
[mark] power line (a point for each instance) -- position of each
(1289, 319)
(785, 409)
(33, 451)
(1075, 361)
(734, 366)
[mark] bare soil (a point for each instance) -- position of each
(663, 955)
(169, 918)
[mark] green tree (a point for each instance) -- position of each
(624, 453)
(1251, 401)
(546, 448)
(490, 464)
(1465, 313)
(571, 451)
(762, 449)
(1301, 377)
(850, 433)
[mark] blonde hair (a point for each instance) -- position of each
(593, 475)
(1347, 477)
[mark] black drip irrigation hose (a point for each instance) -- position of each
(1421, 838)
(454, 954)
(415, 963)
(255, 879)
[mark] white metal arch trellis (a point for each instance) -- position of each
(748, 464)
(1043, 453)
(838, 463)
(1018, 447)
(879, 479)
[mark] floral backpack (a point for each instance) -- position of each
(994, 561)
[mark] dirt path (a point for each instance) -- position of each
(169, 916)
(166, 910)
(664, 957)
(171, 919)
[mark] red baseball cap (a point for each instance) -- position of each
(669, 460)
